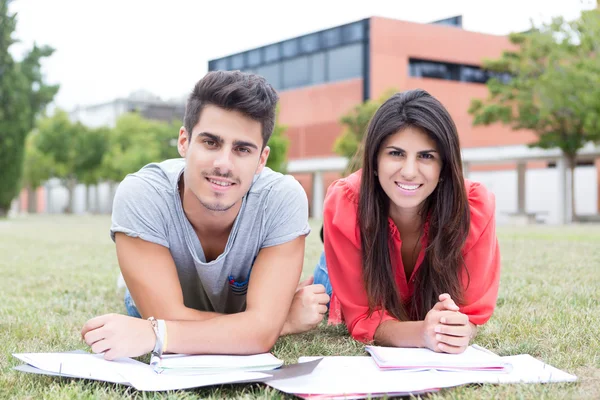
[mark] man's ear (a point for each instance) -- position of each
(183, 141)
(264, 156)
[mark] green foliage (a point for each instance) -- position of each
(135, 142)
(278, 143)
(23, 96)
(555, 86)
(355, 123)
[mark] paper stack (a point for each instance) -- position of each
(474, 358)
(182, 364)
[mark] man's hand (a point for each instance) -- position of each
(308, 308)
(445, 329)
(118, 335)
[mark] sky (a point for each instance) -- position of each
(105, 49)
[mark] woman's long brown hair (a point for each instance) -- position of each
(446, 209)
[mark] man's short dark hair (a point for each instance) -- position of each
(244, 92)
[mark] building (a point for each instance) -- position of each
(322, 75)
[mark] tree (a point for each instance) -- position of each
(135, 142)
(75, 152)
(23, 96)
(36, 170)
(553, 89)
(278, 143)
(355, 123)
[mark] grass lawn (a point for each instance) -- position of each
(57, 272)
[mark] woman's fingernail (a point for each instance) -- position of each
(443, 320)
(438, 328)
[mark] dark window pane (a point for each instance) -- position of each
(254, 58)
(221, 64)
(271, 74)
(429, 69)
(290, 48)
(296, 72)
(317, 71)
(309, 43)
(353, 33)
(473, 74)
(332, 37)
(345, 62)
(237, 61)
(272, 53)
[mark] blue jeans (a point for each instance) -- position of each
(321, 275)
(132, 310)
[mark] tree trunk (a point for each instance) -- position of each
(31, 200)
(572, 163)
(3, 212)
(70, 183)
(88, 198)
(97, 209)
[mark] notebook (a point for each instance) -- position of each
(183, 364)
(474, 358)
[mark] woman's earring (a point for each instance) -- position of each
(375, 173)
(441, 179)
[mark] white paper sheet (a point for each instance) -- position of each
(473, 358)
(355, 375)
(128, 371)
(183, 364)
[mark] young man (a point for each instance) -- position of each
(211, 246)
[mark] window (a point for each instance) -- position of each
(332, 37)
(254, 58)
(296, 72)
(220, 64)
(345, 62)
(473, 74)
(271, 74)
(290, 48)
(432, 69)
(353, 32)
(272, 53)
(237, 61)
(317, 68)
(309, 43)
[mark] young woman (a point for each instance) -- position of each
(411, 254)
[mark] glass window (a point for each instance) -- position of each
(271, 74)
(353, 32)
(254, 57)
(237, 61)
(272, 53)
(345, 62)
(309, 43)
(317, 68)
(429, 69)
(296, 72)
(220, 64)
(290, 48)
(332, 37)
(473, 74)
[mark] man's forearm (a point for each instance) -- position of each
(241, 333)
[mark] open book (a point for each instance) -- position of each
(474, 358)
(183, 364)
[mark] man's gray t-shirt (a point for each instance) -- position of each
(148, 205)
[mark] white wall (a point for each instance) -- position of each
(541, 191)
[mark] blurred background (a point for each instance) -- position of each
(93, 90)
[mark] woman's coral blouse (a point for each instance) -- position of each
(344, 262)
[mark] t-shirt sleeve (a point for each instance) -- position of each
(287, 213)
(138, 211)
(481, 257)
(344, 264)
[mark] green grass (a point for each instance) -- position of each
(56, 272)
